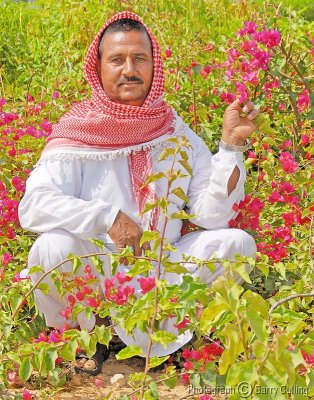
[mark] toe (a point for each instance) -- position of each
(90, 365)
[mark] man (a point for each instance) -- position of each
(88, 181)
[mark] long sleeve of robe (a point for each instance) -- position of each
(82, 190)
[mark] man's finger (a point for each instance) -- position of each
(253, 114)
(146, 246)
(137, 249)
(249, 106)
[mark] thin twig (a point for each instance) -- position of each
(288, 298)
(311, 244)
(157, 277)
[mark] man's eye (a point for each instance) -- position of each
(139, 59)
(117, 60)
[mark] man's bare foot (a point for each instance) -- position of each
(86, 363)
(93, 366)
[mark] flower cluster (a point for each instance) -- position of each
(246, 61)
(249, 215)
(196, 360)
(117, 291)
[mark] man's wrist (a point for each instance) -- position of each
(233, 147)
(233, 140)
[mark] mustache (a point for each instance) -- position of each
(130, 79)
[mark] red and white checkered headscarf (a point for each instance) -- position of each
(100, 122)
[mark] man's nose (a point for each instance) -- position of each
(129, 67)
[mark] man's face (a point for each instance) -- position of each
(126, 67)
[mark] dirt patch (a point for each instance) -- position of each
(82, 386)
(85, 387)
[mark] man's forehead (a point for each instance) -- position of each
(138, 41)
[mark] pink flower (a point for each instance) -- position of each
(99, 383)
(305, 139)
(27, 395)
(46, 126)
(147, 284)
(168, 53)
(286, 187)
(188, 365)
(55, 95)
(94, 302)
(288, 162)
(186, 353)
(249, 28)
(183, 324)
(286, 144)
(42, 338)
(288, 218)
(67, 312)
(227, 97)
(206, 397)
(6, 259)
(71, 299)
(55, 336)
(308, 358)
(80, 295)
(214, 349)
(122, 278)
(270, 38)
(303, 102)
(196, 355)
(205, 71)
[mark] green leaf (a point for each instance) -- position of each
(148, 236)
(181, 215)
(155, 361)
(153, 178)
(35, 268)
(181, 194)
(77, 263)
(44, 287)
(168, 151)
(171, 382)
(186, 165)
(49, 359)
(242, 372)
(258, 324)
(163, 337)
(211, 314)
(68, 351)
(25, 369)
(78, 307)
(257, 303)
(233, 347)
(84, 338)
(103, 334)
(98, 264)
(140, 267)
(149, 206)
(97, 242)
(184, 154)
(15, 301)
(128, 352)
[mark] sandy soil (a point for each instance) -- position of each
(83, 387)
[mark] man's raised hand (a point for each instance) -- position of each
(238, 122)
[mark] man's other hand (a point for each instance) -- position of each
(238, 122)
(125, 232)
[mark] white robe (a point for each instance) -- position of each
(74, 194)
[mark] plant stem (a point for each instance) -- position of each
(291, 297)
(157, 276)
